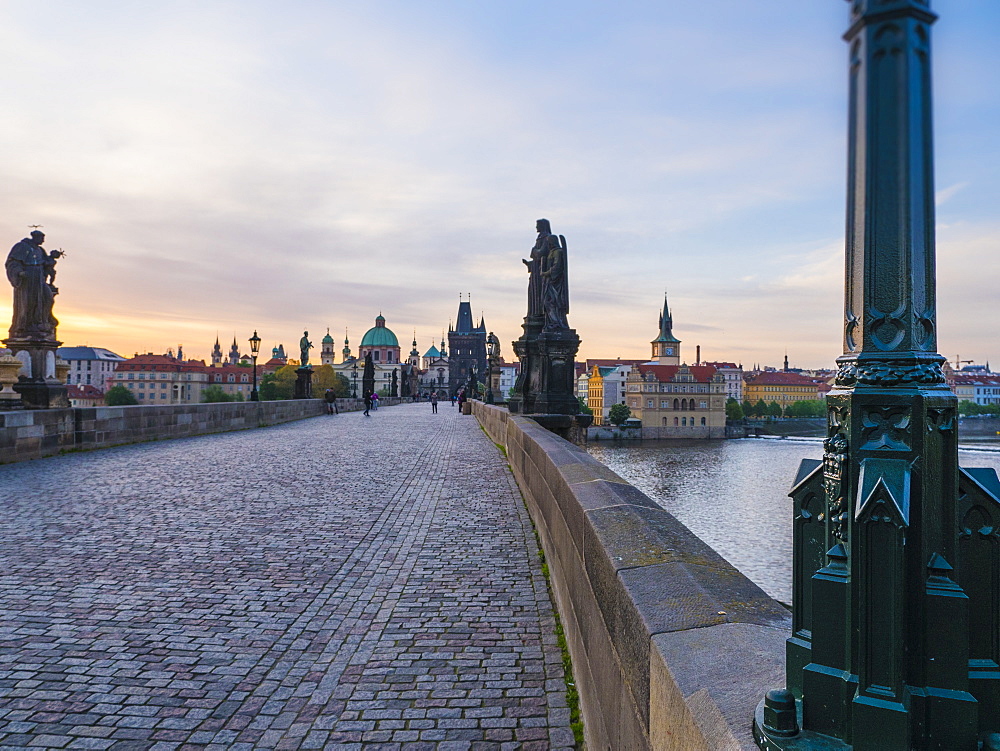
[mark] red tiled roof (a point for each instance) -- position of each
(721, 364)
(664, 373)
(780, 378)
(84, 391)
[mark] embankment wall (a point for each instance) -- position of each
(672, 647)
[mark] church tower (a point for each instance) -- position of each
(347, 348)
(327, 354)
(467, 343)
(216, 354)
(666, 347)
(234, 353)
(414, 353)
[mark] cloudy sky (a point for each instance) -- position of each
(216, 167)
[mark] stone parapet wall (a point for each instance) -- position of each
(672, 647)
(32, 434)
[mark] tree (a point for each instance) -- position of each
(733, 409)
(323, 378)
(584, 408)
(618, 414)
(748, 410)
(266, 390)
(774, 409)
(341, 386)
(806, 408)
(214, 393)
(760, 408)
(119, 396)
(968, 408)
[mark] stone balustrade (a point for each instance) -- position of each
(671, 645)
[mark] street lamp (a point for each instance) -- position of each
(355, 378)
(492, 354)
(254, 351)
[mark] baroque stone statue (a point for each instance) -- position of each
(304, 346)
(555, 285)
(31, 270)
(535, 264)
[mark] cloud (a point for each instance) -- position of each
(221, 166)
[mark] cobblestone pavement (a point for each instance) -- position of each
(339, 582)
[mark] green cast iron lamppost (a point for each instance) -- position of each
(895, 640)
(254, 351)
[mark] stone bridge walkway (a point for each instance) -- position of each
(340, 582)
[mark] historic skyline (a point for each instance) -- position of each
(216, 167)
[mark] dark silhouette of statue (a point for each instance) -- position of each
(535, 266)
(31, 270)
(304, 346)
(555, 285)
(368, 376)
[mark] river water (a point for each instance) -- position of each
(733, 494)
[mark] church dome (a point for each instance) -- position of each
(379, 335)
(328, 339)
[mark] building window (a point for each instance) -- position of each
(703, 405)
(375, 355)
(703, 421)
(675, 422)
(649, 403)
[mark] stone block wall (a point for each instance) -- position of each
(32, 434)
(672, 647)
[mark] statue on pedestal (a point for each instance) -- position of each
(31, 270)
(548, 346)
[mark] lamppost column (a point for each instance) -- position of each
(890, 316)
(880, 654)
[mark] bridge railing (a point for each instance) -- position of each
(33, 434)
(669, 642)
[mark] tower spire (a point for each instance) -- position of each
(666, 347)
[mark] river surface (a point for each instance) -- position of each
(733, 494)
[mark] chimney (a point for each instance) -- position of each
(697, 357)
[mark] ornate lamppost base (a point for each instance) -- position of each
(770, 738)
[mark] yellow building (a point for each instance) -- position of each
(781, 388)
(596, 388)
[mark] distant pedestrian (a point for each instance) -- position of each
(375, 401)
(368, 404)
(452, 400)
(331, 401)
(434, 403)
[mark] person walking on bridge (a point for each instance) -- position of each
(434, 402)
(368, 404)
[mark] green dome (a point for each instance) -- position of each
(328, 339)
(379, 336)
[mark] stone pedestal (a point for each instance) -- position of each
(37, 381)
(529, 379)
(557, 355)
(303, 383)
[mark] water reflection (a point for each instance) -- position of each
(734, 494)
